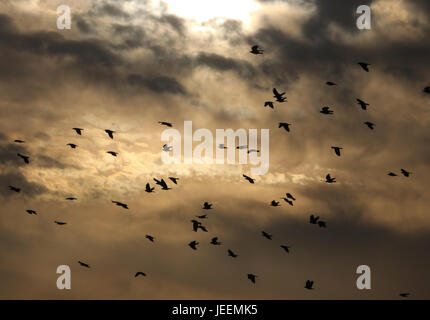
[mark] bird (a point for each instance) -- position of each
(309, 284)
(290, 196)
(149, 189)
(174, 180)
(337, 150)
(279, 96)
(167, 124)
(207, 205)
(193, 244)
(84, 264)
(288, 201)
(405, 173)
(31, 212)
(251, 180)
(269, 103)
(313, 219)
(203, 216)
(369, 124)
(162, 183)
(252, 277)
(139, 273)
(256, 50)
(12, 188)
(120, 204)
(364, 65)
(326, 110)
(71, 198)
(215, 242)
(197, 225)
(112, 153)
(329, 83)
(25, 158)
(78, 130)
(266, 235)
(329, 179)
(253, 150)
(150, 238)
(286, 248)
(285, 126)
(362, 104)
(167, 148)
(404, 295)
(392, 174)
(232, 254)
(110, 133)
(60, 223)
(72, 145)
(274, 203)
(19, 141)
(426, 90)
(322, 224)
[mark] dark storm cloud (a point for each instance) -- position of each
(174, 21)
(157, 84)
(111, 10)
(82, 24)
(220, 63)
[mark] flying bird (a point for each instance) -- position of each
(139, 273)
(78, 130)
(162, 183)
(251, 180)
(207, 205)
(167, 148)
(149, 189)
(392, 174)
(364, 65)
(329, 179)
(197, 225)
(174, 180)
(286, 248)
(84, 264)
(193, 244)
(150, 238)
(426, 90)
(322, 224)
(337, 150)
(120, 204)
(203, 216)
(362, 104)
(71, 198)
(215, 242)
(266, 235)
(167, 124)
(19, 141)
(290, 196)
(284, 125)
(404, 295)
(288, 201)
(112, 153)
(274, 203)
(405, 173)
(252, 277)
(25, 158)
(309, 284)
(110, 133)
(255, 49)
(269, 103)
(313, 219)
(326, 110)
(279, 96)
(72, 145)
(369, 124)
(329, 83)
(232, 254)
(60, 223)
(31, 212)
(12, 188)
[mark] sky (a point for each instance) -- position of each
(126, 65)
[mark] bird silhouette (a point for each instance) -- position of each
(369, 124)
(392, 174)
(286, 248)
(364, 65)
(60, 223)
(149, 189)
(252, 277)
(19, 141)
(290, 196)
(269, 104)
(110, 133)
(362, 104)
(232, 254)
(309, 284)
(329, 83)
(426, 90)
(255, 49)
(279, 96)
(274, 203)
(167, 124)
(266, 235)
(198, 225)
(83, 264)
(150, 238)
(313, 219)
(112, 153)
(71, 198)
(251, 180)
(207, 205)
(193, 244)
(203, 216)
(326, 110)
(120, 204)
(167, 148)
(25, 158)
(72, 145)
(405, 173)
(12, 188)
(288, 201)
(215, 242)
(285, 125)
(78, 130)
(31, 212)
(162, 183)
(329, 179)
(405, 294)
(337, 150)
(140, 273)
(174, 180)
(322, 224)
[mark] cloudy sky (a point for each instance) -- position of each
(125, 65)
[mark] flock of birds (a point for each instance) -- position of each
(197, 224)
